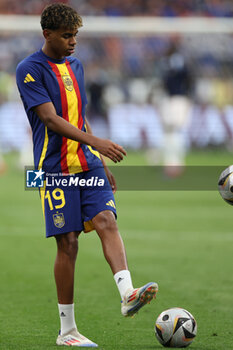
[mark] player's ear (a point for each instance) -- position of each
(47, 34)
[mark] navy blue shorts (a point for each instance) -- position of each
(70, 202)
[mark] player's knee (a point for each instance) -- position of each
(68, 245)
(105, 222)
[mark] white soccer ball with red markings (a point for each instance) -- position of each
(175, 328)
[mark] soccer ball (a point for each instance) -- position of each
(225, 184)
(175, 328)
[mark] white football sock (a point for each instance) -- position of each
(66, 313)
(123, 282)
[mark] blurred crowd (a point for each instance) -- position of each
(168, 8)
(130, 83)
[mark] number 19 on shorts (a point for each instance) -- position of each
(55, 198)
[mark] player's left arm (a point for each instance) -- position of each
(109, 174)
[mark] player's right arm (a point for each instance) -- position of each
(47, 113)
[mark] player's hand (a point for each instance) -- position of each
(111, 179)
(110, 149)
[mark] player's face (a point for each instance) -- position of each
(61, 42)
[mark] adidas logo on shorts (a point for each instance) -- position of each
(111, 204)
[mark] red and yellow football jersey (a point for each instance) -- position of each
(41, 79)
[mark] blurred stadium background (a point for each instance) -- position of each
(126, 48)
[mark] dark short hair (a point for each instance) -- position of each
(59, 15)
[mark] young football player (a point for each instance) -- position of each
(51, 85)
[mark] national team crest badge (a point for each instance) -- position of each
(59, 220)
(67, 82)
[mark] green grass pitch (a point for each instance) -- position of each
(182, 240)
